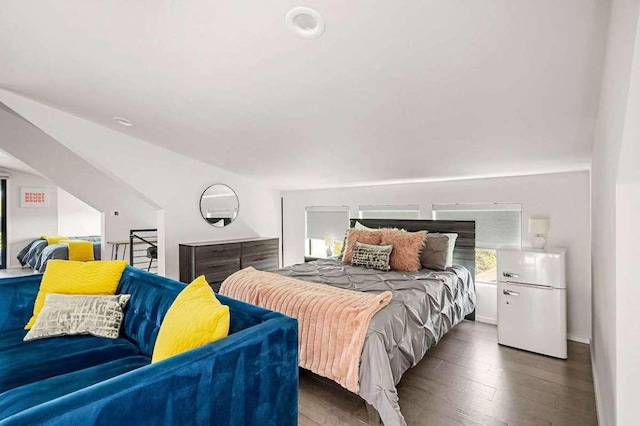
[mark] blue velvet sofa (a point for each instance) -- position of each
(248, 378)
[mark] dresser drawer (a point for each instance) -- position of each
(260, 254)
(214, 263)
(262, 264)
(222, 251)
(217, 272)
(217, 260)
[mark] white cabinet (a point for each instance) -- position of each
(532, 300)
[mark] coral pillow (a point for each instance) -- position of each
(70, 277)
(406, 248)
(361, 236)
(194, 319)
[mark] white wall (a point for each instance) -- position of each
(65, 215)
(627, 296)
(77, 218)
(103, 191)
(606, 155)
(26, 224)
(562, 197)
(169, 180)
(627, 238)
(486, 303)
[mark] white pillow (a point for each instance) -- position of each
(452, 246)
(358, 225)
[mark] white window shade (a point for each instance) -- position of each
(325, 222)
(389, 212)
(497, 225)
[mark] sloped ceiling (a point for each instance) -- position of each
(9, 163)
(393, 90)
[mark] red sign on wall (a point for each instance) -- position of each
(34, 197)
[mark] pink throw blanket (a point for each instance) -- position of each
(332, 322)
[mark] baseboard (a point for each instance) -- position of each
(486, 320)
(596, 386)
(579, 339)
(572, 337)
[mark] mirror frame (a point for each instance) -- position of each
(200, 205)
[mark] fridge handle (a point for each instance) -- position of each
(510, 293)
(509, 274)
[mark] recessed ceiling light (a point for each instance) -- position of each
(305, 22)
(123, 121)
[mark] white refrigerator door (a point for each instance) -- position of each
(533, 318)
(532, 267)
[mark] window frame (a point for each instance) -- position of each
(478, 207)
(309, 241)
(392, 208)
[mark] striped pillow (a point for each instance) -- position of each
(372, 256)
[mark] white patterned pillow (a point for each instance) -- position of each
(65, 314)
(372, 256)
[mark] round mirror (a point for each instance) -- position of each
(219, 205)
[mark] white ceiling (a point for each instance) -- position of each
(393, 90)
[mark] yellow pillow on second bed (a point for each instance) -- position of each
(69, 277)
(52, 239)
(194, 319)
(79, 250)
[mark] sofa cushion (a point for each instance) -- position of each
(11, 338)
(27, 362)
(18, 399)
(151, 297)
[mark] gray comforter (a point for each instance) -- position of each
(425, 306)
(38, 252)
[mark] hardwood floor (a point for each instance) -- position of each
(468, 379)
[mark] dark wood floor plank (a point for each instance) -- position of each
(306, 421)
(468, 379)
(460, 413)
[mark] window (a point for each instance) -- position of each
(389, 212)
(325, 229)
(498, 225)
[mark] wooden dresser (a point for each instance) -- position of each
(216, 260)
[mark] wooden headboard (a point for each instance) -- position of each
(464, 252)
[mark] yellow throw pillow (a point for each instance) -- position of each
(52, 239)
(79, 250)
(194, 319)
(69, 277)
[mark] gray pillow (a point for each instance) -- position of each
(438, 251)
(372, 256)
(64, 315)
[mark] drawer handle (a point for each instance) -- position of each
(510, 293)
(510, 275)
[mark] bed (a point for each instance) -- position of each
(424, 306)
(38, 252)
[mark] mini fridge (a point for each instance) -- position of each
(532, 300)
